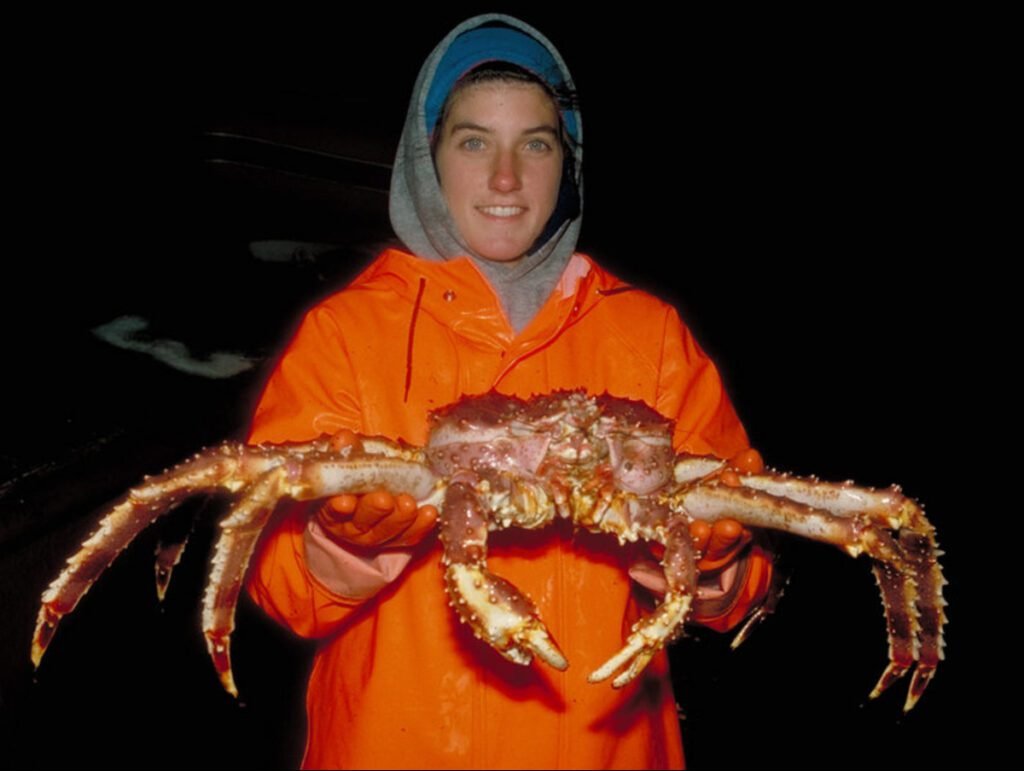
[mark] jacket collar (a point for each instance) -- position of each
(457, 295)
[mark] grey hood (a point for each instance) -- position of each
(418, 210)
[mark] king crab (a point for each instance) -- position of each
(496, 461)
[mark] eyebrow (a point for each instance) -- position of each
(545, 128)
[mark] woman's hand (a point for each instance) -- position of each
(373, 520)
(377, 519)
(720, 543)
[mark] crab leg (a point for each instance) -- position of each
(242, 528)
(496, 610)
(898, 593)
(168, 555)
(693, 468)
(923, 553)
(857, 520)
(239, 533)
(300, 471)
(912, 597)
(215, 468)
(649, 635)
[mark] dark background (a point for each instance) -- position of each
(810, 191)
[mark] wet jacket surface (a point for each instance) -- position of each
(397, 682)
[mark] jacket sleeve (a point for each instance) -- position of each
(281, 583)
(691, 390)
(299, 577)
(312, 390)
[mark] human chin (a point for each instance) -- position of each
(500, 250)
(500, 241)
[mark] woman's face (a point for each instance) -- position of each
(499, 161)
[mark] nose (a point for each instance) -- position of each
(505, 173)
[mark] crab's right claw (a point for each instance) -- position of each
(501, 615)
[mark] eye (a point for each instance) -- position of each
(538, 146)
(472, 143)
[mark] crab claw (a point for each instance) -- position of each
(649, 636)
(500, 614)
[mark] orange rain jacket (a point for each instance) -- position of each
(397, 682)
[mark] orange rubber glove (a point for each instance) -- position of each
(720, 543)
(735, 581)
(373, 520)
(377, 519)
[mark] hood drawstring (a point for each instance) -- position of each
(412, 335)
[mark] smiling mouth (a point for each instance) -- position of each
(502, 211)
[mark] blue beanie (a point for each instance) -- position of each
(492, 44)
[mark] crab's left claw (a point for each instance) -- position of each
(649, 635)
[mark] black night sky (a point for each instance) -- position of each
(806, 189)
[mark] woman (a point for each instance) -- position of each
(486, 293)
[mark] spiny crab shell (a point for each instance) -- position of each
(495, 461)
